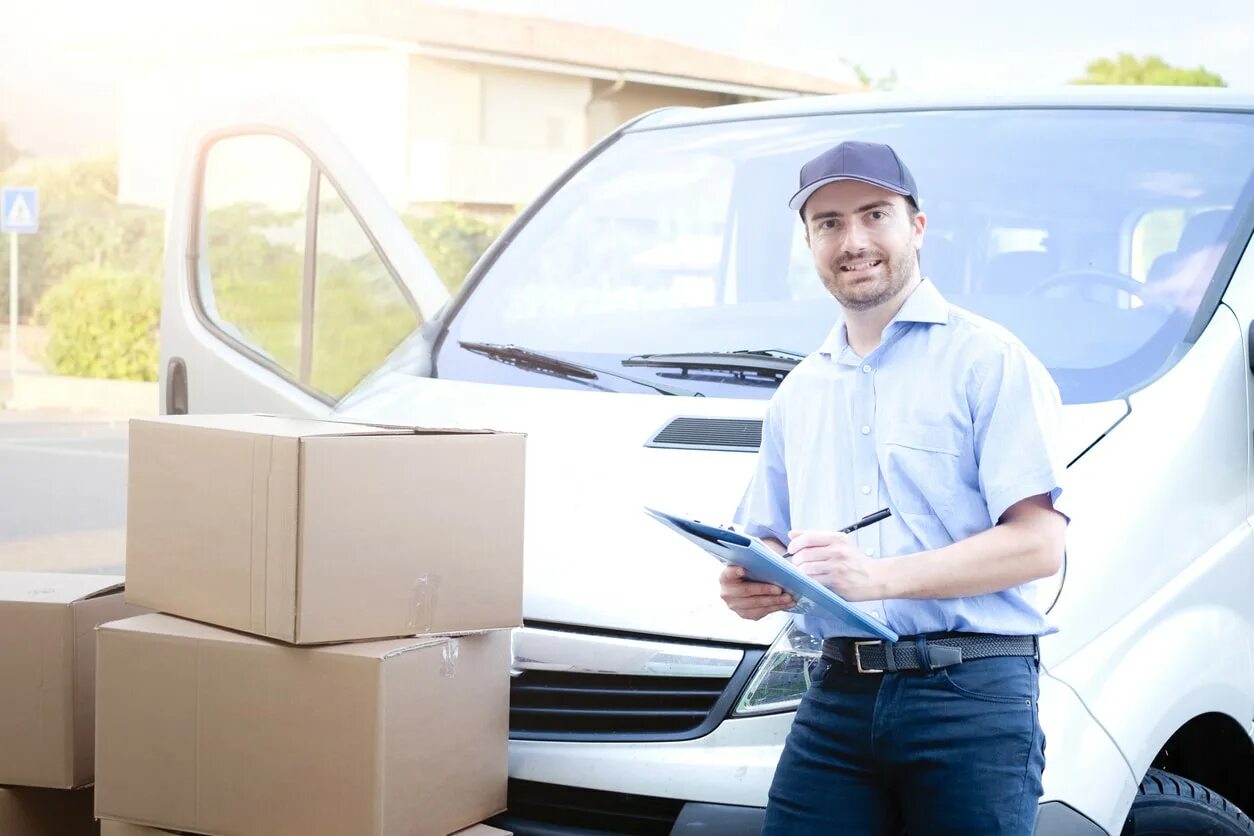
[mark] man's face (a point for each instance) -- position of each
(864, 241)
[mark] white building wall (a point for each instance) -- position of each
(482, 134)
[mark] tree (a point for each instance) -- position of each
(1128, 69)
(887, 82)
(9, 153)
(81, 226)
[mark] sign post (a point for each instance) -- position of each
(19, 215)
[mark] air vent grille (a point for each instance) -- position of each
(700, 433)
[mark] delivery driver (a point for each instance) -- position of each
(947, 420)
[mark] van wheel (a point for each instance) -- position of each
(1168, 805)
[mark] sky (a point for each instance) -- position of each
(57, 91)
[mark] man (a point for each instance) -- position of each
(947, 420)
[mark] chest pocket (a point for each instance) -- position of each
(922, 465)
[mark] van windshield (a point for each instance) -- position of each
(1091, 234)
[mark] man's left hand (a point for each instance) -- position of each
(834, 560)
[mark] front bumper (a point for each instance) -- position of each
(595, 813)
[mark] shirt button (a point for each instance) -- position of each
(866, 489)
(870, 552)
(866, 430)
(866, 369)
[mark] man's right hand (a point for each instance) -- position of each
(750, 599)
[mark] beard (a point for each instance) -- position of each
(874, 287)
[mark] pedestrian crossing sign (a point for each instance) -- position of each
(19, 210)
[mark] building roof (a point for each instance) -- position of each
(493, 35)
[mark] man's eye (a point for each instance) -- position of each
(878, 215)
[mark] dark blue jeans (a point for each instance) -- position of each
(956, 751)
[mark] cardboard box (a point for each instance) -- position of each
(214, 731)
(313, 531)
(25, 811)
(47, 673)
(110, 827)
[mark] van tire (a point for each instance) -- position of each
(1168, 805)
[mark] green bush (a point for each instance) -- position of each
(453, 239)
(102, 325)
(81, 227)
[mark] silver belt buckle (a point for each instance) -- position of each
(857, 656)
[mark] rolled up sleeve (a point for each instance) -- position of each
(1017, 428)
(764, 509)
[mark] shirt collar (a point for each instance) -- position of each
(925, 304)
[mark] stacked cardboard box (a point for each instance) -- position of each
(109, 827)
(331, 650)
(47, 696)
(26, 811)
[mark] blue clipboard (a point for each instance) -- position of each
(764, 565)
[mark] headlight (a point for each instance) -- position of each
(782, 676)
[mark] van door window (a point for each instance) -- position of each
(360, 313)
(254, 204)
(306, 293)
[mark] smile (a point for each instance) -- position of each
(858, 266)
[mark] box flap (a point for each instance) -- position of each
(273, 425)
(56, 587)
(169, 626)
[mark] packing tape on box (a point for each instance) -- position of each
(426, 595)
(449, 667)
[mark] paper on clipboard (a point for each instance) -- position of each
(763, 565)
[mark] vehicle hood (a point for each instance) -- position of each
(592, 556)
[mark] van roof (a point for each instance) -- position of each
(1093, 96)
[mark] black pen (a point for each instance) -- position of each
(869, 519)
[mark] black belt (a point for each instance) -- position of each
(942, 651)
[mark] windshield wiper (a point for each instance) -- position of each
(766, 365)
(538, 361)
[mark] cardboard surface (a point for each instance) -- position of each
(43, 812)
(315, 531)
(47, 674)
(110, 827)
(210, 731)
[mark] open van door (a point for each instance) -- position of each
(288, 276)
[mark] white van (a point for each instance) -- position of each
(634, 321)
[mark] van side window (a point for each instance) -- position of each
(360, 313)
(253, 200)
(311, 296)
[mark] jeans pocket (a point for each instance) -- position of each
(818, 669)
(1005, 680)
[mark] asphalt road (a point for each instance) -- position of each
(62, 494)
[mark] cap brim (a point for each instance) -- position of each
(799, 199)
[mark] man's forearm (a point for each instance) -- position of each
(1006, 555)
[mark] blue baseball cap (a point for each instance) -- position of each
(870, 162)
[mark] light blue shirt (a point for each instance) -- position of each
(948, 422)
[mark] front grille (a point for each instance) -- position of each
(737, 435)
(584, 703)
(549, 810)
(575, 685)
